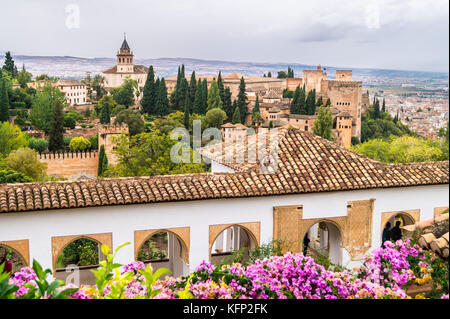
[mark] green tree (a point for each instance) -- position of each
(162, 103)
(269, 75)
(105, 115)
(11, 138)
(198, 107)
(290, 73)
(295, 107)
(126, 92)
(236, 116)
(42, 106)
(242, 100)
(302, 107)
(192, 89)
(311, 102)
(8, 175)
(23, 77)
(79, 144)
(102, 160)
(4, 101)
(401, 149)
(282, 75)
(319, 102)
(328, 102)
(187, 107)
(376, 109)
(9, 65)
(181, 93)
(214, 100)
(148, 154)
(56, 132)
(69, 122)
(133, 119)
(383, 108)
(25, 160)
(38, 144)
(215, 117)
(227, 104)
(324, 123)
(150, 92)
(256, 112)
(98, 86)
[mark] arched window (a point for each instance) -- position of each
(11, 255)
(233, 240)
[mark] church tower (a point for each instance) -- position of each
(125, 58)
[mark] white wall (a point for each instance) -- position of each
(122, 221)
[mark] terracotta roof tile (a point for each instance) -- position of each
(306, 163)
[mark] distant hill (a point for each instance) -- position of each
(68, 67)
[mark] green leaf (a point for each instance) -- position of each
(105, 249)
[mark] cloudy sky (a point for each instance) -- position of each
(396, 34)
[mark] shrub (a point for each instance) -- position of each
(38, 144)
(79, 144)
(69, 122)
(25, 161)
(67, 140)
(8, 175)
(94, 142)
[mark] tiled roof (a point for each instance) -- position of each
(306, 163)
(136, 69)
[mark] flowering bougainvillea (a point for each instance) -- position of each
(383, 275)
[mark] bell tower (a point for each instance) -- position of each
(125, 58)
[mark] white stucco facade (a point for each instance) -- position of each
(40, 226)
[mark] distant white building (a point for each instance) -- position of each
(76, 92)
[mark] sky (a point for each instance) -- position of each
(387, 34)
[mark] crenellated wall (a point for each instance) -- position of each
(71, 164)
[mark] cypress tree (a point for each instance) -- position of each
(242, 100)
(105, 115)
(149, 93)
(236, 116)
(328, 102)
(221, 87)
(9, 65)
(4, 101)
(182, 91)
(187, 111)
(269, 75)
(56, 138)
(102, 161)
(192, 88)
(302, 108)
(162, 104)
(227, 104)
(214, 100)
(294, 109)
(376, 109)
(311, 102)
(197, 108)
(182, 75)
(319, 102)
(256, 111)
(204, 96)
(383, 108)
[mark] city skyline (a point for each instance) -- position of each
(376, 34)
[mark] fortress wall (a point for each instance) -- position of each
(71, 164)
(346, 95)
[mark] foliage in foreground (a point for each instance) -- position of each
(384, 275)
